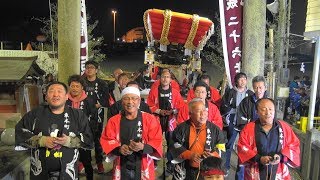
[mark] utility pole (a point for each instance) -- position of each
(68, 38)
(254, 29)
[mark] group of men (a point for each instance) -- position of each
(266, 145)
(71, 123)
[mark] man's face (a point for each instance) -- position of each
(198, 113)
(207, 81)
(213, 177)
(165, 79)
(56, 96)
(259, 88)
(116, 73)
(75, 89)
(200, 92)
(91, 70)
(131, 103)
(242, 82)
(123, 81)
(266, 111)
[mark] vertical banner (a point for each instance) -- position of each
(83, 38)
(231, 33)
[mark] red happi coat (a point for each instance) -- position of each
(174, 84)
(151, 135)
(247, 149)
(177, 103)
(214, 115)
(215, 96)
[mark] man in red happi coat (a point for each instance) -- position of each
(212, 94)
(174, 84)
(165, 102)
(132, 139)
(266, 146)
(200, 91)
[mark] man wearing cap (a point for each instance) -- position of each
(132, 139)
(116, 108)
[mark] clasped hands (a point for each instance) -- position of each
(266, 160)
(132, 147)
(197, 158)
(51, 142)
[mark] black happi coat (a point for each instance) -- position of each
(89, 108)
(181, 141)
(247, 111)
(181, 136)
(35, 123)
(229, 100)
(98, 91)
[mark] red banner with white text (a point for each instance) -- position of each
(231, 33)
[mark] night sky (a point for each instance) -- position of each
(16, 22)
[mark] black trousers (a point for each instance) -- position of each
(192, 173)
(97, 146)
(85, 158)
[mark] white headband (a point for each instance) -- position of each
(130, 90)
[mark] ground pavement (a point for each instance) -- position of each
(159, 170)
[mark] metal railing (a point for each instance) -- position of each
(310, 154)
(8, 45)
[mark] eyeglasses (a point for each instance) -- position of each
(135, 98)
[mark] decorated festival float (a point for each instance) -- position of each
(175, 41)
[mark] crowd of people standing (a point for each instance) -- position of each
(200, 129)
(297, 105)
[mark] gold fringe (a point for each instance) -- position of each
(166, 27)
(192, 32)
(165, 65)
(145, 22)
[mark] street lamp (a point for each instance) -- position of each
(114, 25)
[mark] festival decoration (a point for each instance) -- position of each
(176, 39)
(167, 27)
(149, 55)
